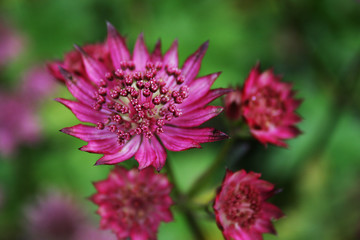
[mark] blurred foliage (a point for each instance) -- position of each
(314, 44)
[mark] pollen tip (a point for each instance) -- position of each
(110, 29)
(219, 109)
(67, 75)
(108, 24)
(218, 135)
(78, 48)
(204, 46)
(98, 162)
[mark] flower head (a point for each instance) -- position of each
(18, 123)
(133, 203)
(37, 84)
(57, 216)
(140, 104)
(241, 210)
(268, 107)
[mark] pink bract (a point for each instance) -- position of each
(268, 106)
(132, 203)
(241, 210)
(139, 104)
(232, 102)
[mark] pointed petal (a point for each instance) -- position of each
(286, 132)
(175, 143)
(128, 150)
(117, 46)
(150, 152)
(271, 211)
(171, 56)
(79, 88)
(266, 137)
(88, 133)
(145, 154)
(53, 68)
(263, 186)
(188, 106)
(199, 135)
(160, 153)
(156, 55)
(201, 86)
(138, 234)
(264, 226)
(83, 112)
(109, 145)
(141, 55)
(192, 64)
(94, 69)
(196, 117)
(165, 215)
(251, 80)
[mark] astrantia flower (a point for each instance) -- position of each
(57, 216)
(140, 104)
(133, 203)
(241, 210)
(18, 123)
(268, 107)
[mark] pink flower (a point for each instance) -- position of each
(11, 43)
(268, 107)
(139, 105)
(232, 102)
(241, 210)
(37, 84)
(18, 123)
(133, 203)
(57, 216)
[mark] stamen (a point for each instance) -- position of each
(132, 114)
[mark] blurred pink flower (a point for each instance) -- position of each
(58, 217)
(268, 106)
(132, 203)
(140, 104)
(241, 210)
(11, 43)
(18, 123)
(37, 84)
(19, 120)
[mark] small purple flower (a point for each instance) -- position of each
(18, 123)
(11, 43)
(139, 104)
(37, 84)
(57, 216)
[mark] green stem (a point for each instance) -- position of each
(204, 178)
(183, 206)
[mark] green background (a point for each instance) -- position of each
(314, 44)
